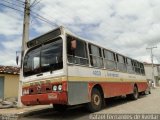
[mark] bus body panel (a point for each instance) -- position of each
(77, 92)
(40, 88)
(113, 89)
(113, 83)
(42, 99)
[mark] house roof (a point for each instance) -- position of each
(150, 64)
(9, 70)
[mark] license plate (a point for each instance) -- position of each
(52, 96)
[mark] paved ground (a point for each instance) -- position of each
(144, 105)
(13, 113)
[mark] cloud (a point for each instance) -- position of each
(10, 35)
(12, 44)
(8, 53)
(125, 26)
(10, 23)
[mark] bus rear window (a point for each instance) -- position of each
(47, 57)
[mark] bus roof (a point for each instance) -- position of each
(95, 43)
(58, 31)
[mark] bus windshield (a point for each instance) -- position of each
(44, 58)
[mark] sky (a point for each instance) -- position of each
(125, 26)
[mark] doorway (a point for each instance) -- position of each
(1, 87)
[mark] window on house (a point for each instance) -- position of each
(76, 51)
(109, 60)
(95, 56)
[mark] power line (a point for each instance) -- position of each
(33, 14)
(51, 25)
(21, 1)
(18, 5)
(10, 7)
(35, 2)
(44, 19)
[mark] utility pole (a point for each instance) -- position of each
(151, 49)
(25, 38)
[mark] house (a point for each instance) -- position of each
(9, 80)
(148, 71)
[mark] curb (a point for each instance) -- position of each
(33, 112)
(24, 113)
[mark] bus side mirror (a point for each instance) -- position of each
(17, 59)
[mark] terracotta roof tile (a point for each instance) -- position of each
(9, 70)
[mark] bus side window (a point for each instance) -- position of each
(109, 60)
(121, 63)
(95, 56)
(76, 51)
(137, 67)
(129, 66)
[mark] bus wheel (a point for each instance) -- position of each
(135, 94)
(59, 107)
(96, 101)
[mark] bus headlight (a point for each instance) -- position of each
(54, 88)
(59, 87)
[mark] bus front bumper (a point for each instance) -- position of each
(43, 99)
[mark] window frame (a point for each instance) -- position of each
(77, 57)
(109, 60)
(25, 74)
(120, 63)
(131, 65)
(100, 56)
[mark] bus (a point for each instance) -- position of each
(63, 69)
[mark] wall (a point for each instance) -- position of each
(10, 85)
(148, 70)
(156, 71)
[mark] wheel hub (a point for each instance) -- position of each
(96, 99)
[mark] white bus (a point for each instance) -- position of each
(62, 69)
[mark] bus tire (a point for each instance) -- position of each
(135, 94)
(96, 102)
(59, 107)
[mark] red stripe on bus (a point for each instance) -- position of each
(112, 89)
